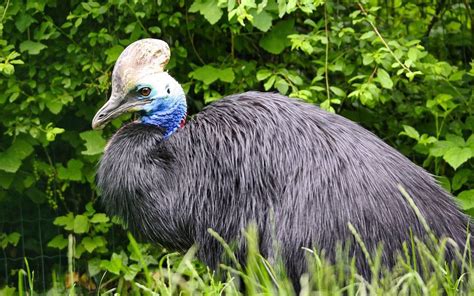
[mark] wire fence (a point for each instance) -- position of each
(30, 248)
(34, 223)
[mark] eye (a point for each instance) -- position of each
(145, 91)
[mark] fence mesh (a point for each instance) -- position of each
(34, 222)
(30, 248)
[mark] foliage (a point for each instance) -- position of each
(401, 69)
(421, 273)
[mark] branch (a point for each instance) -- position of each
(327, 53)
(382, 39)
(468, 9)
(439, 11)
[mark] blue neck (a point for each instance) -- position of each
(166, 113)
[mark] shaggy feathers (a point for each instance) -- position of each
(301, 174)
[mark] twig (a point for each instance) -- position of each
(5, 11)
(50, 20)
(382, 39)
(469, 14)
(191, 38)
(232, 53)
(326, 61)
(137, 18)
(439, 11)
(372, 74)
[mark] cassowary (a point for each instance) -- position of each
(296, 172)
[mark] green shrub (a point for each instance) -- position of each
(401, 69)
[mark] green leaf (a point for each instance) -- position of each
(78, 251)
(276, 40)
(208, 8)
(89, 244)
(410, 132)
(23, 22)
(13, 238)
(466, 199)
(99, 218)
(9, 239)
(441, 147)
(206, 74)
(51, 133)
(7, 69)
(337, 91)
(326, 105)
(93, 266)
(298, 81)
(470, 141)
(58, 242)
(6, 179)
(456, 140)
(32, 47)
(444, 182)
(10, 160)
(384, 78)
(81, 224)
(54, 105)
(66, 221)
(443, 100)
(443, 97)
(456, 156)
(413, 53)
(270, 82)
(72, 171)
(3, 240)
(99, 241)
(460, 178)
(456, 76)
(94, 142)
(262, 21)
(282, 86)
(114, 265)
(281, 8)
(367, 58)
(37, 196)
(209, 74)
(469, 124)
(8, 291)
(90, 209)
(21, 148)
(131, 272)
(263, 74)
(226, 75)
(425, 139)
(367, 35)
(36, 5)
(9, 164)
(113, 53)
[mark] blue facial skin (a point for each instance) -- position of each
(166, 112)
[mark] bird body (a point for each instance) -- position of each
(263, 158)
(298, 173)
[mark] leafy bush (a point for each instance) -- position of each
(401, 69)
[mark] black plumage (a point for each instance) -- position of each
(265, 158)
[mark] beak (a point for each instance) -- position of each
(114, 108)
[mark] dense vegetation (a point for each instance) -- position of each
(402, 68)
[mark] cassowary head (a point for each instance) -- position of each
(139, 84)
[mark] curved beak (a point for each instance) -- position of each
(115, 107)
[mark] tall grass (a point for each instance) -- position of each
(420, 269)
(175, 274)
